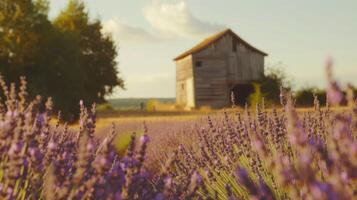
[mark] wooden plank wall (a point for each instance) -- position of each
(221, 66)
(245, 64)
(210, 82)
(183, 72)
(211, 77)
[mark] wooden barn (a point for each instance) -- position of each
(208, 73)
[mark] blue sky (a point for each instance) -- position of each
(298, 35)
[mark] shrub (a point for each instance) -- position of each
(257, 96)
(305, 96)
(105, 107)
(151, 105)
(273, 81)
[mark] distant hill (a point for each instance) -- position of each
(134, 103)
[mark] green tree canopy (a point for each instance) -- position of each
(68, 59)
(98, 51)
(22, 27)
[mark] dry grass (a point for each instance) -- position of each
(107, 118)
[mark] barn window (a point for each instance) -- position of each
(198, 64)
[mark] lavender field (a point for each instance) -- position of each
(178, 100)
(261, 153)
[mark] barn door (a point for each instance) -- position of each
(241, 93)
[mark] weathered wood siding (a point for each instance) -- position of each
(210, 82)
(245, 64)
(219, 66)
(184, 74)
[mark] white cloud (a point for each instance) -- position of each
(177, 20)
(124, 32)
(170, 20)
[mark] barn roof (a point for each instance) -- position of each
(206, 42)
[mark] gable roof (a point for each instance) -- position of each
(206, 42)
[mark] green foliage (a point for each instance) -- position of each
(257, 96)
(136, 103)
(105, 107)
(43, 6)
(98, 51)
(122, 141)
(68, 59)
(305, 96)
(151, 105)
(274, 79)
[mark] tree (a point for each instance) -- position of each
(98, 51)
(68, 59)
(305, 96)
(22, 26)
(32, 47)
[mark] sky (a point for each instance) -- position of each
(298, 36)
